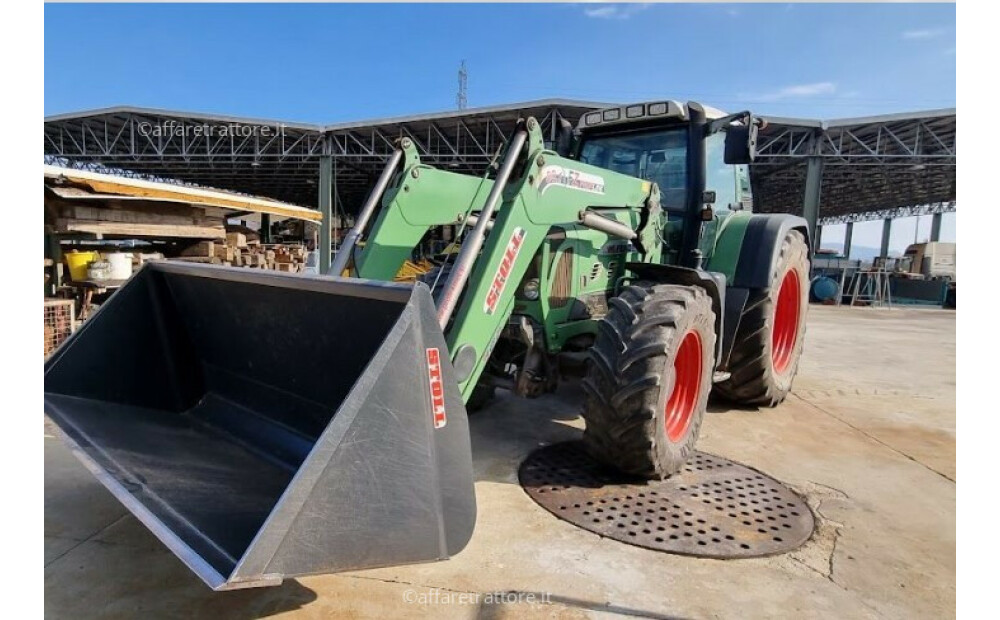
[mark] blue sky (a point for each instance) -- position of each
(329, 63)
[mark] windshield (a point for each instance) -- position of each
(659, 156)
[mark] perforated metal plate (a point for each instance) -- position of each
(712, 508)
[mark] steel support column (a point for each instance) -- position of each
(848, 235)
(338, 208)
(810, 201)
(265, 228)
(936, 226)
(886, 234)
(326, 208)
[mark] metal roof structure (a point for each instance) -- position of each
(851, 169)
(281, 160)
(875, 167)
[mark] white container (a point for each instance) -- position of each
(99, 270)
(121, 265)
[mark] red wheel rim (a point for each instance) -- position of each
(687, 387)
(786, 321)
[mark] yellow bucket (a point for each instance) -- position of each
(78, 262)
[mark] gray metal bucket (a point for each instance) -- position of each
(266, 425)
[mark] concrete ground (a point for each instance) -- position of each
(868, 436)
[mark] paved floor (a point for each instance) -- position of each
(868, 436)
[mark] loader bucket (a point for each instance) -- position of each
(265, 425)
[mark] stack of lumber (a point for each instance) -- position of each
(135, 219)
(89, 203)
(238, 251)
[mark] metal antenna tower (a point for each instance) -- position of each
(463, 86)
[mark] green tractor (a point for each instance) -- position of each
(632, 245)
(265, 425)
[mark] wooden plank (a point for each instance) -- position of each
(162, 231)
(202, 248)
(157, 214)
(236, 239)
(226, 253)
(109, 184)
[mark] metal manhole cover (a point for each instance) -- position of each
(713, 508)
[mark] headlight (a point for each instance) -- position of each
(530, 290)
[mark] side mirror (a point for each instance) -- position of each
(564, 138)
(741, 143)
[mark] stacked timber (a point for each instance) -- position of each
(238, 251)
(133, 219)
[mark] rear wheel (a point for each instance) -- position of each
(649, 377)
(768, 344)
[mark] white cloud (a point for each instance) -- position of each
(615, 11)
(927, 33)
(794, 91)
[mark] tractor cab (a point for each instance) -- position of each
(697, 155)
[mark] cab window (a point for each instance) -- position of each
(659, 156)
(719, 176)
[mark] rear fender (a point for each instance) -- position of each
(760, 245)
(754, 243)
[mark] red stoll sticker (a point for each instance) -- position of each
(437, 388)
(503, 273)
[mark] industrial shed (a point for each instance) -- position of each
(830, 171)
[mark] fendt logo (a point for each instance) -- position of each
(506, 264)
(571, 179)
(437, 387)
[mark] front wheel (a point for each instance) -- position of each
(648, 378)
(768, 343)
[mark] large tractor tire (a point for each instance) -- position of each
(648, 378)
(768, 344)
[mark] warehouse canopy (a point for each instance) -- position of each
(866, 168)
(94, 187)
(871, 168)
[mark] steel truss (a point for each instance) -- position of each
(869, 164)
(873, 165)
(891, 214)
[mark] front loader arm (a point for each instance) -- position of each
(421, 197)
(546, 190)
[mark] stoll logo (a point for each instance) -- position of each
(437, 388)
(503, 273)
